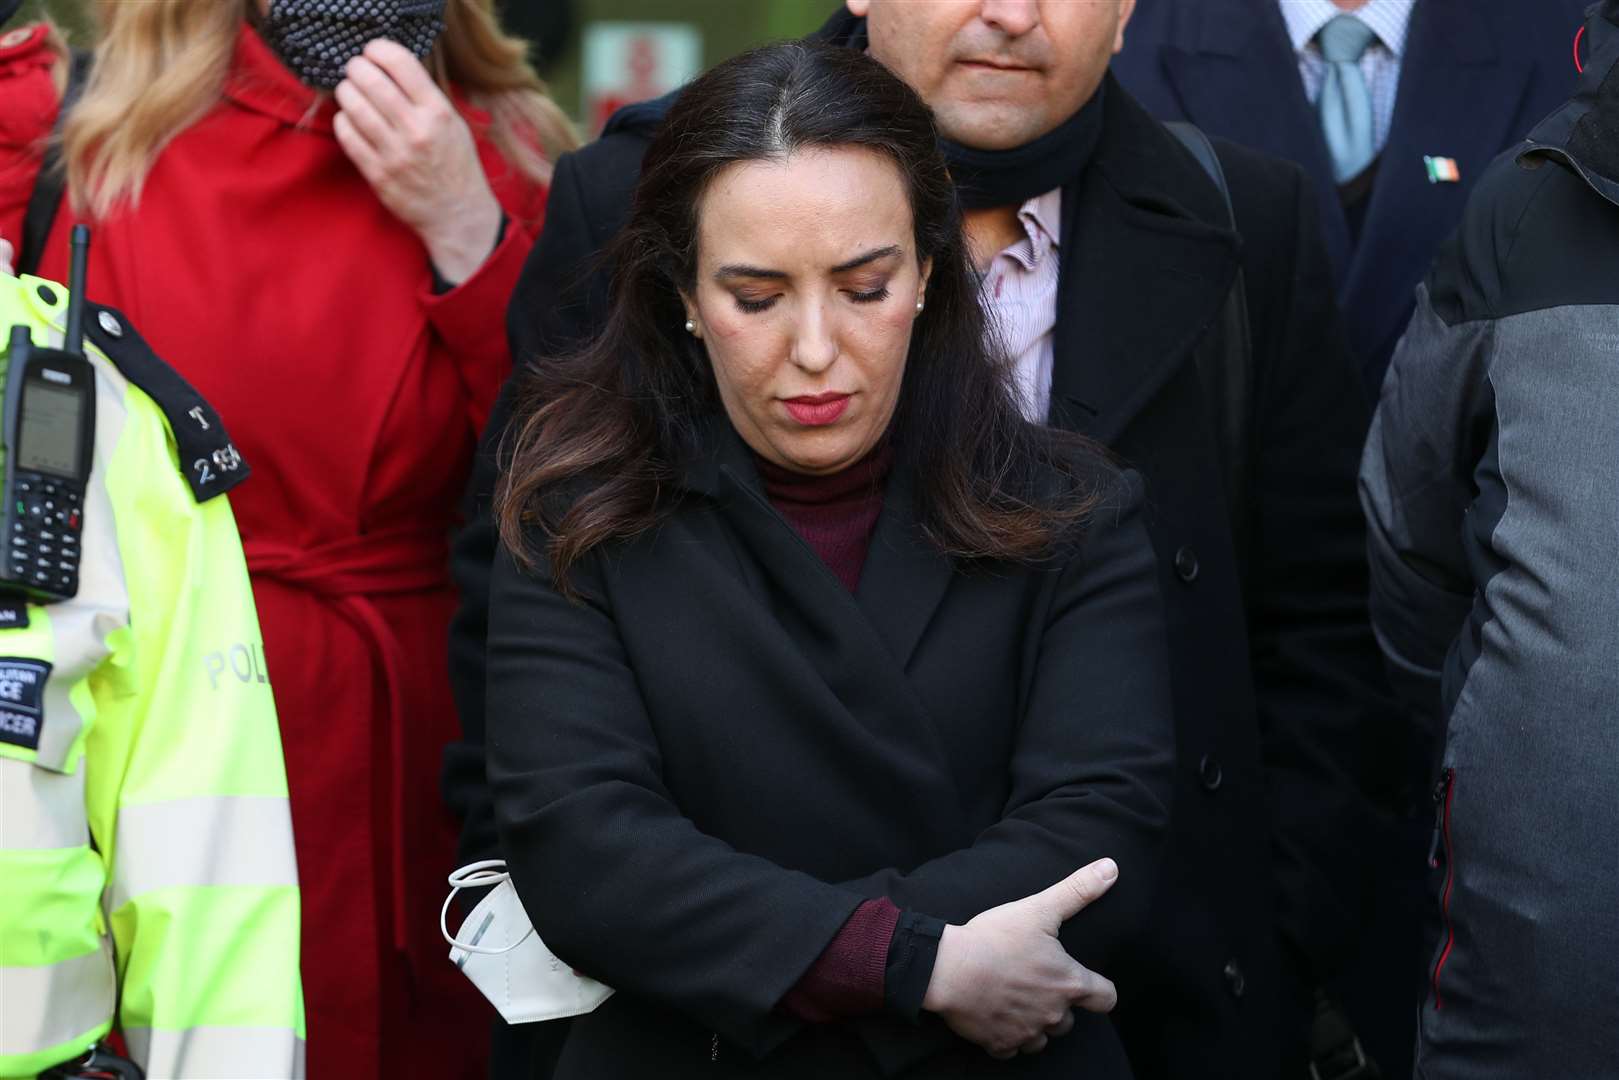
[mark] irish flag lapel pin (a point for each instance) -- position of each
(1442, 170)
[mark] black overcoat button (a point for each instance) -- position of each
(1208, 770)
(1186, 566)
(1234, 980)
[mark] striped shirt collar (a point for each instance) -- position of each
(1389, 19)
(1041, 218)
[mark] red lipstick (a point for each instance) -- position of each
(817, 410)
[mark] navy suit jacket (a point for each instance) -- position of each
(1476, 76)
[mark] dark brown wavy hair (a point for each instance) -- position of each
(599, 438)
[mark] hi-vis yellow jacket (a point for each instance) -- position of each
(147, 875)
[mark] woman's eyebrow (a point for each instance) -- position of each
(869, 257)
(736, 270)
(741, 270)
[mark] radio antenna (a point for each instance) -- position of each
(77, 270)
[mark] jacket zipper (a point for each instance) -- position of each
(1444, 792)
(714, 1048)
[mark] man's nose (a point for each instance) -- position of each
(1014, 18)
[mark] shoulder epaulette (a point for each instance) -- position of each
(210, 461)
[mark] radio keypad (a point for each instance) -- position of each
(43, 549)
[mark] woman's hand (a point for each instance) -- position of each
(1005, 982)
(418, 155)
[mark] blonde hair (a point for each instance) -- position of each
(161, 65)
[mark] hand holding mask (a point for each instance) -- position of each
(417, 153)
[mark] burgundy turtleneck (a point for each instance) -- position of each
(836, 516)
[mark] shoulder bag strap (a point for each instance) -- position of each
(1227, 370)
(51, 181)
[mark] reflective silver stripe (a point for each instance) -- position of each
(41, 1007)
(218, 1053)
(217, 840)
(40, 809)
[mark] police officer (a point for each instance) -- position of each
(146, 858)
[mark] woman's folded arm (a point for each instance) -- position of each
(1092, 769)
(616, 879)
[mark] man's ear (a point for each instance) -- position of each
(1127, 8)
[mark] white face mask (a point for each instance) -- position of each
(499, 951)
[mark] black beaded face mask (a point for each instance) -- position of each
(316, 38)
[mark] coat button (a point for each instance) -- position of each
(110, 324)
(1186, 565)
(1234, 980)
(1209, 771)
(47, 294)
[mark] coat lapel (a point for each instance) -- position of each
(858, 657)
(1233, 70)
(1460, 92)
(905, 576)
(1142, 276)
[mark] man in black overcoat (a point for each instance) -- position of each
(1282, 724)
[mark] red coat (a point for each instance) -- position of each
(260, 264)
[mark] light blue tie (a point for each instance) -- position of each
(1345, 102)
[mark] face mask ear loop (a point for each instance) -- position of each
(472, 876)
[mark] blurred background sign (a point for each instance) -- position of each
(626, 62)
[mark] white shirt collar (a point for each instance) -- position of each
(1389, 20)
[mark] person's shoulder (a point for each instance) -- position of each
(27, 85)
(1275, 210)
(615, 156)
(1070, 469)
(26, 46)
(1152, 25)
(204, 452)
(1257, 177)
(1534, 235)
(1542, 31)
(596, 183)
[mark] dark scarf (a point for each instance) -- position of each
(989, 178)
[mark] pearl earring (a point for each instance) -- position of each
(691, 326)
(919, 306)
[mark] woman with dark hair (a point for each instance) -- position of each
(824, 691)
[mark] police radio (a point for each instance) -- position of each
(49, 442)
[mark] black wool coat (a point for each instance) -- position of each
(1286, 739)
(704, 766)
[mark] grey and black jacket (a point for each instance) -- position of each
(1491, 487)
